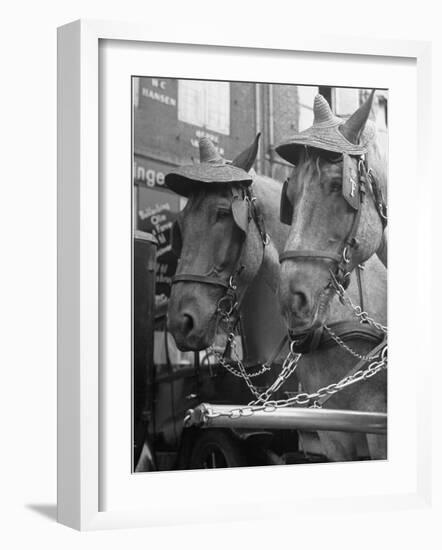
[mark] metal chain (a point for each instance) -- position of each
(225, 364)
(345, 346)
(379, 363)
(288, 368)
(360, 314)
(263, 401)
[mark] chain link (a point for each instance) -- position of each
(288, 368)
(231, 368)
(358, 311)
(345, 346)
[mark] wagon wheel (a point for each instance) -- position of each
(217, 449)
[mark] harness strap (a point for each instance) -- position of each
(308, 342)
(188, 277)
(346, 330)
(368, 176)
(310, 254)
(257, 217)
(350, 330)
(359, 271)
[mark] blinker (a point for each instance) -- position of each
(176, 239)
(286, 207)
(350, 182)
(240, 212)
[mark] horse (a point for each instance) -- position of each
(215, 241)
(220, 233)
(334, 202)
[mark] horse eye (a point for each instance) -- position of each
(332, 157)
(222, 213)
(335, 187)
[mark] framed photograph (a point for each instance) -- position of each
(231, 285)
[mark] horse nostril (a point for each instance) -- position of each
(299, 301)
(187, 323)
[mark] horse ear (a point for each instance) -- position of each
(176, 239)
(246, 159)
(286, 207)
(240, 211)
(354, 126)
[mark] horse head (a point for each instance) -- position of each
(219, 243)
(333, 202)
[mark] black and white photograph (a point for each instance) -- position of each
(259, 274)
(220, 279)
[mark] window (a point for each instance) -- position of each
(347, 101)
(205, 104)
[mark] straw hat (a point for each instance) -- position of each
(325, 134)
(212, 168)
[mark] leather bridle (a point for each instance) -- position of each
(228, 305)
(342, 260)
(341, 273)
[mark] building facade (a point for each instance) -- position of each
(170, 116)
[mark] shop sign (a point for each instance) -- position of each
(149, 173)
(156, 212)
(158, 90)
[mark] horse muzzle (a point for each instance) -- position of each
(189, 334)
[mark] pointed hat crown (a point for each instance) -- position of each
(323, 115)
(208, 152)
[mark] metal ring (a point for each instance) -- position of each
(381, 210)
(295, 343)
(345, 255)
(225, 310)
(231, 283)
(266, 239)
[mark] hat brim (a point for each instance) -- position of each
(186, 179)
(326, 139)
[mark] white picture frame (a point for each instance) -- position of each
(79, 273)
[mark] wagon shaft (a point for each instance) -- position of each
(310, 419)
